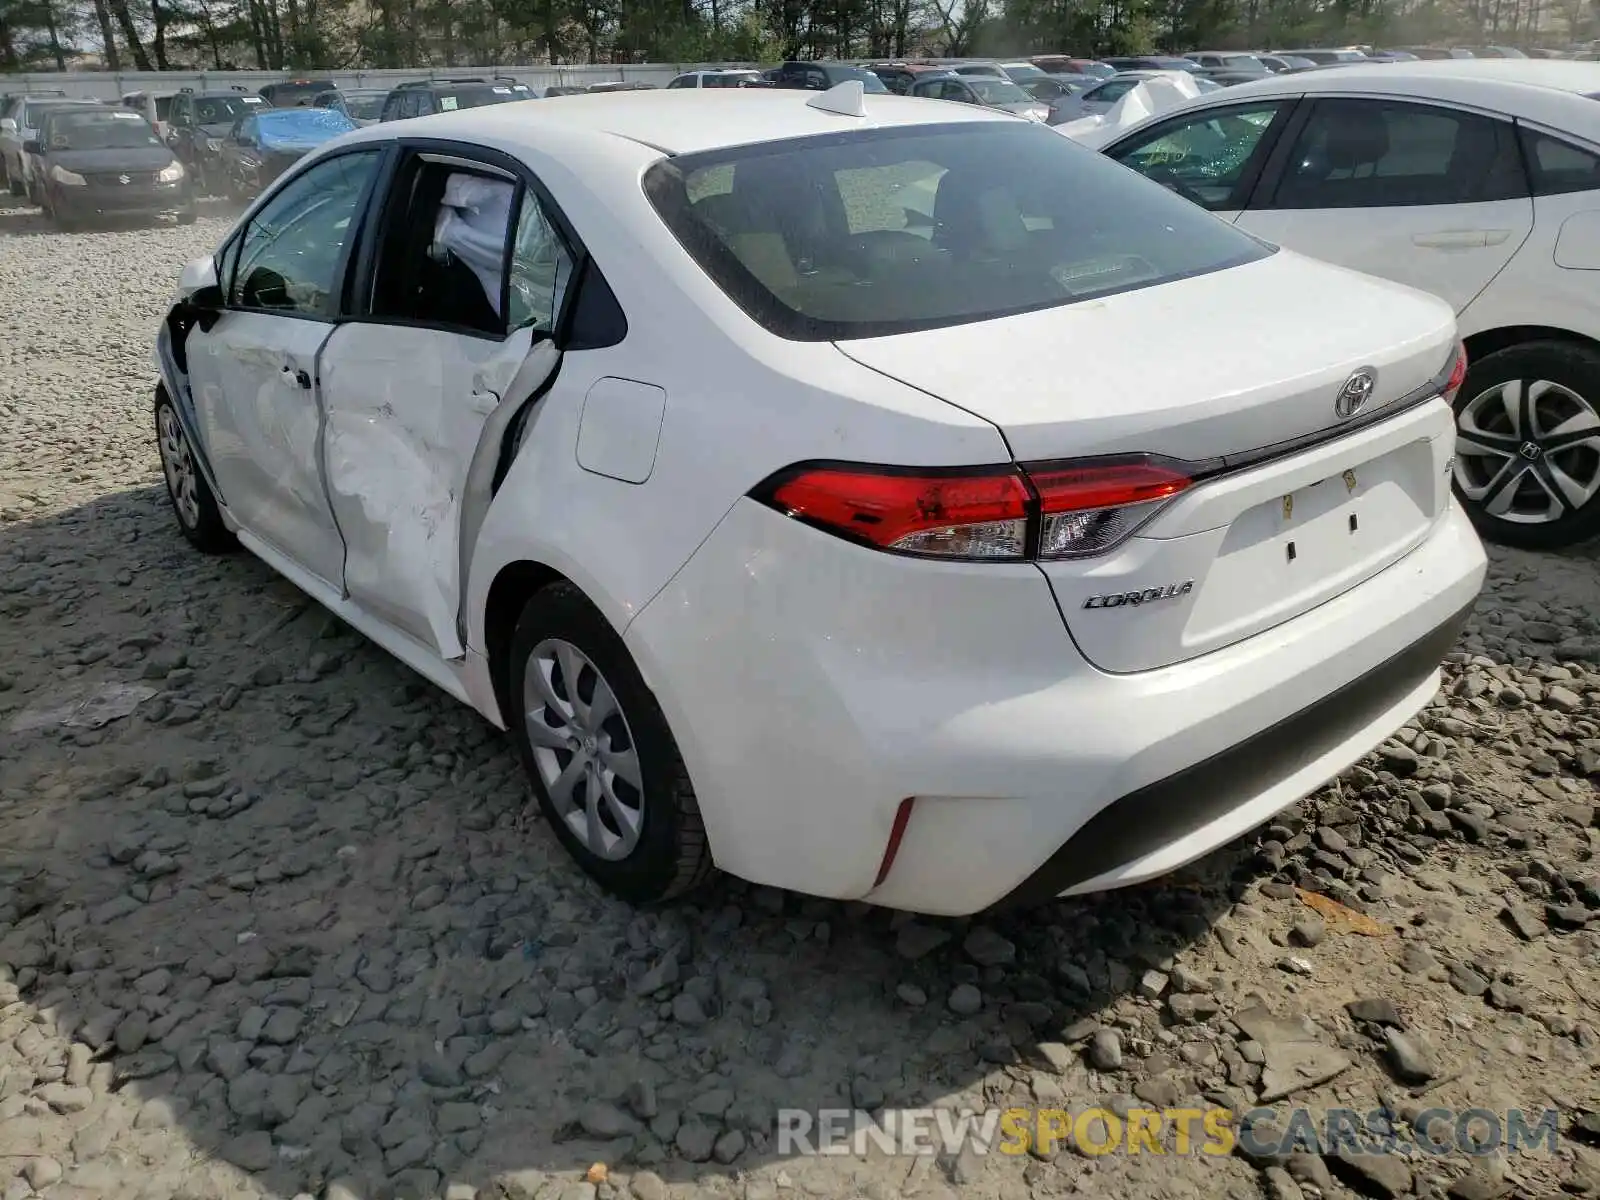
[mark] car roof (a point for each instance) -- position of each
(1552, 92)
(690, 120)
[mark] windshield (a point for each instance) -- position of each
(300, 124)
(998, 91)
(68, 130)
(37, 110)
(364, 108)
(890, 230)
(730, 79)
(1022, 72)
(1243, 62)
(223, 110)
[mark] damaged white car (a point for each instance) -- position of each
(878, 499)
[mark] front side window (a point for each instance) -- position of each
(1559, 166)
(682, 81)
(890, 230)
(1204, 158)
(1383, 154)
(291, 251)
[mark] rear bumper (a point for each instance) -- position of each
(1141, 831)
(813, 686)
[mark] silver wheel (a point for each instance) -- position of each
(583, 749)
(1528, 452)
(177, 463)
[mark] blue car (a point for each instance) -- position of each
(264, 144)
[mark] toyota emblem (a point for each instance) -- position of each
(1355, 393)
(124, 179)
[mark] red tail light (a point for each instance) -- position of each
(1458, 374)
(1048, 510)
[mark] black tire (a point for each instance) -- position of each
(672, 857)
(1569, 365)
(203, 527)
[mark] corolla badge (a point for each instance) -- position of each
(1355, 393)
(1145, 596)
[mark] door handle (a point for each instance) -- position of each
(1452, 239)
(299, 376)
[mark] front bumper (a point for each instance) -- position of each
(813, 686)
(105, 200)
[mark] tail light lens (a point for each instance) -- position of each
(1456, 375)
(1005, 513)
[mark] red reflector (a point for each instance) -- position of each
(885, 508)
(1109, 485)
(1458, 374)
(902, 818)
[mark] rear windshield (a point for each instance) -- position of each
(997, 91)
(290, 95)
(477, 96)
(886, 231)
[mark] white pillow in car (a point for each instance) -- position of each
(473, 218)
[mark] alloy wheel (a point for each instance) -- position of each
(583, 748)
(1528, 451)
(178, 465)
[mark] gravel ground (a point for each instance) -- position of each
(290, 926)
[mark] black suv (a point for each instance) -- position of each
(447, 95)
(196, 124)
(820, 76)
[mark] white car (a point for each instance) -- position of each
(1103, 98)
(1478, 181)
(1037, 548)
(727, 77)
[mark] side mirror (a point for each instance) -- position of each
(32, 146)
(200, 276)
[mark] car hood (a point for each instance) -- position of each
(1212, 365)
(139, 158)
(217, 129)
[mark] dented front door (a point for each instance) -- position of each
(406, 411)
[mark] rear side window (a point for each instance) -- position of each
(1557, 166)
(163, 107)
(1380, 154)
(886, 231)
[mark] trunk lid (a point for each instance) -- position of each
(1197, 368)
(1214, 368)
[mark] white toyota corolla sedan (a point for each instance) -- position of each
(867, 497)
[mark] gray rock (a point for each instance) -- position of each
(965, 1000)
(687, 1010)
(1385, 1175)
(42, 1172)
(1308, 931)
(1467, 981)
(249, 1151)
(988, 949)
(729, 1146)
(1409, 1058)
(606, 1121)
(132, 1031)
(1105, 1050)
(695, 1141)
(916, 941)
(1375, 1010)
(283, 1026)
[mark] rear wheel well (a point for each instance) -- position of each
(1487, 342)
(510, 592)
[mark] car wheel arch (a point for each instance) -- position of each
(1490, 341)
